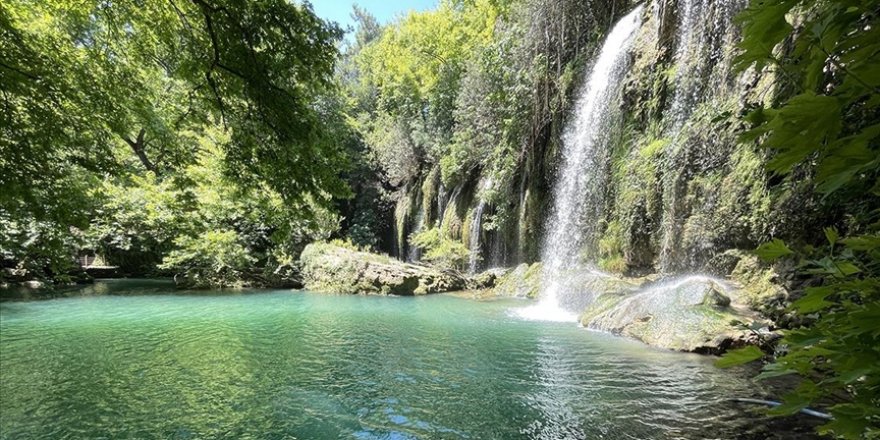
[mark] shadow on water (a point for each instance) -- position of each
(138, 362)
(116, 287)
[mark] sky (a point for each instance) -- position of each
(384, 10)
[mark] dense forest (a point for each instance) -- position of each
(213, 140)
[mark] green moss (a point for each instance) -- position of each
(401, 218)
(611, 249)
(529, 226)
(760, 289)
(465, 229)
(522, 282)
(441, 250)
(653, 149)
(615, 264)
(429, 193)
(452, 223)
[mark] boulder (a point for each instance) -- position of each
(340, 268)
(102, 271)
(486, 280)
(724, 263)
(686, 314)
(522, 282)
(33, 284)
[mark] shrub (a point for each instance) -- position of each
(441, 250)
(215, 258)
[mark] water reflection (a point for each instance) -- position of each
(292, 365)
(556, 393)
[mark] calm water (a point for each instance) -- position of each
(134, 361)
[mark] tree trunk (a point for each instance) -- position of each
(138, 145)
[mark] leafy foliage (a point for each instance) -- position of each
(144, 219)
(441, 250)
(739, 356)
(828, 51)
(107, 106)
(214, 258)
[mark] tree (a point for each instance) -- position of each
(96, 88)
(829, 125)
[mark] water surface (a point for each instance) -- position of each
(132, 360)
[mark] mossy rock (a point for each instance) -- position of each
(522, 282)
(689, 314)
(335, 268)
(762, 289)
(487, 279)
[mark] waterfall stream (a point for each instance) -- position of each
(415, 253)
(578, 193)
(476, 228)
(705, 29)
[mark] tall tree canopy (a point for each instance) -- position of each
(108, 99)
(79, 79)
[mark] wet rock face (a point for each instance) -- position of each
(522, 282)
(487, 279)
(686, 314)
(337, 269)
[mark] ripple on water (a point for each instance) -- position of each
(296, 365)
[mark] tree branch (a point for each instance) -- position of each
(138, 146)
(19, 71)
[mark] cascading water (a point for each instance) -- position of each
(705, 28)
(415, 253)
(441, 204)
(476, 228)
(580, 185)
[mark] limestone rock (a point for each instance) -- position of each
(33, 284)
(335, 268)
(685, 314)
(522, 282)
(487, 279)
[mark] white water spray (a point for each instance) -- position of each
(477, 229)
(702, 71)
(578, 193)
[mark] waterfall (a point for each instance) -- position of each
(521, 222)
(441, 204)
(476, 228)
(578, 193)
(705, 28)
(415, 253)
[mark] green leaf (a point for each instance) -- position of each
(739, 357)
(773, 250)
(801, 127)
(797, 400)
(814, 300)
(832, 235)
(862, 242)
(846, 268)
(850, 421)
(774, 370)
(764, 26)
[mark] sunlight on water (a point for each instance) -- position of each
(545, 310)
(134, 361)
